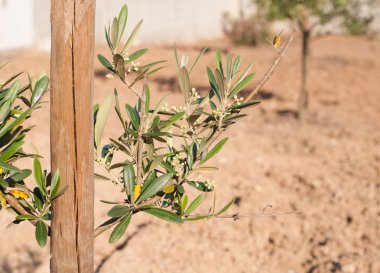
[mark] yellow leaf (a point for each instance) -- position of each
(277, 40)
(2, 200)
(137, 192)
(18, 193)
(168, 189)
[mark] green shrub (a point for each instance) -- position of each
(17, 103)
(164, 148)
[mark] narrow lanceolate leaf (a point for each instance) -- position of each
(184, 82)
(196, 61)
(168, 167)
(117, 109)
(143, 67)
(118, 211)
(60, 193)
(108, 39)
(159, 106)
(3, 182)
(245, 105)
(226, 207)
(220, 80)
(244, 74)
(147, 99)
(214, 150)
(164, 215)
(10, 125)
(156, 134)
(132, 37)
(120, 229)
(229, 67)
(241, 85)
(108, 202)
(101, 177)
(184, 201)
(103, 60)
(9, 167)
(25, 217)
(136, 55)
(154, 187)
(219, 61)
(38, 176)
(194, 205)
(55, 182)
(151, 177)
(236, 66)
(114, 32)
(175, 54)
(41, 233)
(197, 218)
(205, 169)
(155, 70)
(39, 89)
(213, 83)
(101, 119)
(133, 116)
(173, 119)
(11, 93)
(19, 176)
(129, 180)
(118, 60)
(122, 21)
(4, 110)
(10, 150)
(141, 75)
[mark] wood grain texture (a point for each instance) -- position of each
(72, 245)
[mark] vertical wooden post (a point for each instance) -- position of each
(72, 246)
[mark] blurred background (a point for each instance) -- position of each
(313, 144)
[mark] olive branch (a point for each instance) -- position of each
(165, 148)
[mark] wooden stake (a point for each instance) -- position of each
(72, 229)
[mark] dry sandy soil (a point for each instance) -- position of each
(328, 167)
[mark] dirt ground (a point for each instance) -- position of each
(328, 167)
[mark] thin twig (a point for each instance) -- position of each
(270, 71)
(140, 144)
(237, 216)
(263, 80)
(15, 204)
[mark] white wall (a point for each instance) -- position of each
(26, 23)
(16, 24)
(166, 20)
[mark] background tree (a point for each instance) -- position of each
(246, 28)
(356, 15)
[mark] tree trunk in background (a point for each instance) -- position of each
(72, 243)
(303, 100)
